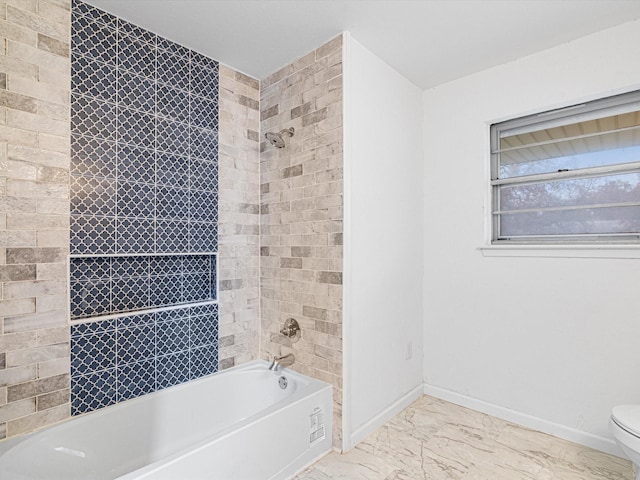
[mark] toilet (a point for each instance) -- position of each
(625, 426)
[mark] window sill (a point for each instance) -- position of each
(562, 251)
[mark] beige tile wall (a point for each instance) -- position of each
(301, 218)
(300, 189)
(239, 217)
(34, 213)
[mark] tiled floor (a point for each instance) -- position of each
(437, 440)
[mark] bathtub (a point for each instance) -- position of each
(246, 423)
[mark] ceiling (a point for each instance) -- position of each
(430, 41)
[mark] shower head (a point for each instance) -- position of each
(277, 139)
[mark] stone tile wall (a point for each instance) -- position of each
(302, 216)
(300, 189)
(239, 218)
(144, 180)
(34, 213)
(144, 121)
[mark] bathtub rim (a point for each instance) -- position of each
(306, 386)
(314, 386)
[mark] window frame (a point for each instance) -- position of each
(600, 108)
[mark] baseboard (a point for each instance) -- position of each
(372, 425)
(573, 435)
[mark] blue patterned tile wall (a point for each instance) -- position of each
(118, 359)
(144, 211)
(109, 285)
(144, 124)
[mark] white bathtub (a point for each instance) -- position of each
(233, 425)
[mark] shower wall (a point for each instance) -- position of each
(144, 211)
(35, 123)
(239, 218)
(301, 217)
(300, 190)
(34, 213)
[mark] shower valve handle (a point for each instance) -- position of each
(291, 328)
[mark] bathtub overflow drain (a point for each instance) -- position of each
(283, 382)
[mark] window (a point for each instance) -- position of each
(568, 176)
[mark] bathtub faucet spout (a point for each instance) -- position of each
(281, 362)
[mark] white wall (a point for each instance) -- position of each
(550, 342)
(383, 241)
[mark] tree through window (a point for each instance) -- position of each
(569, 176)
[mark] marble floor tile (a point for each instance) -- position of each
(437, 440)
